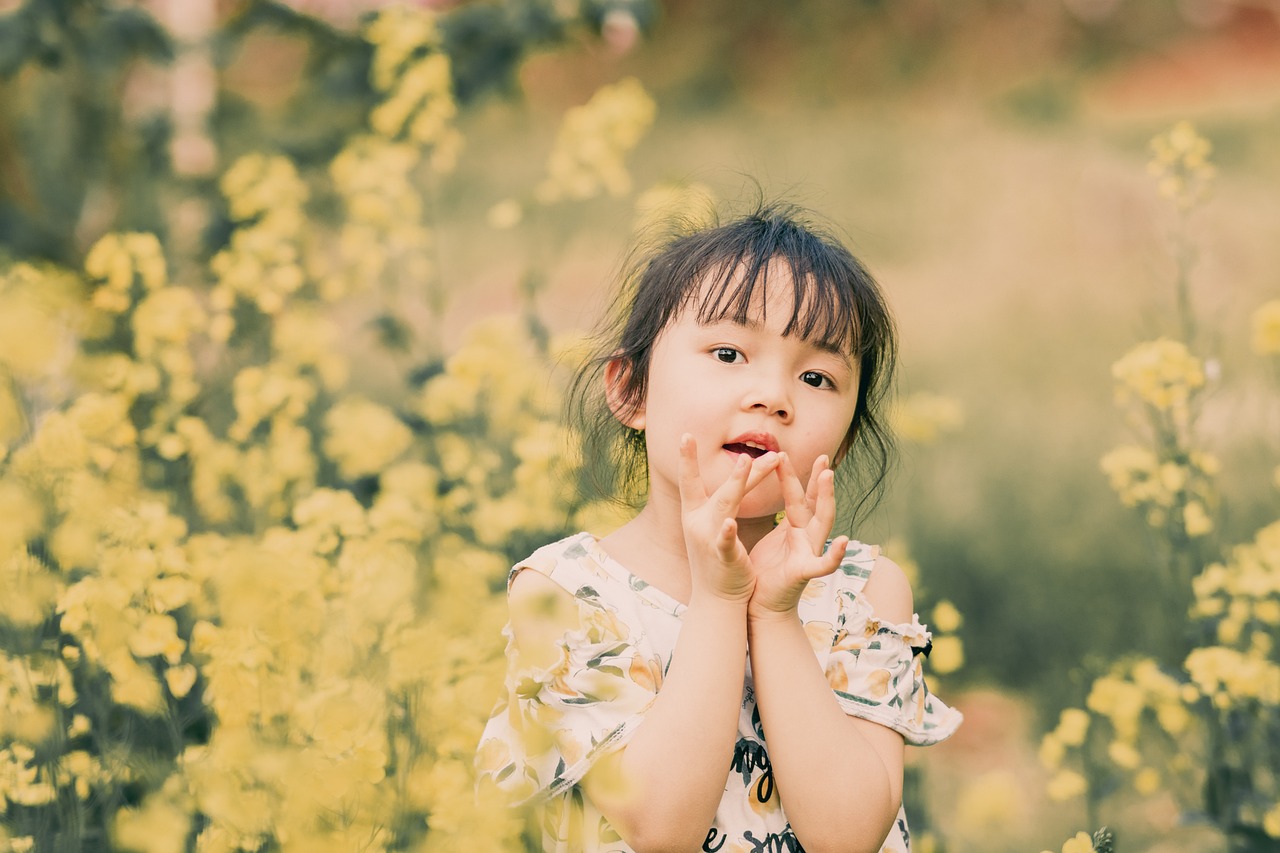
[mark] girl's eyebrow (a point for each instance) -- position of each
(755, 326)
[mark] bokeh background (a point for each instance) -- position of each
(289, 292)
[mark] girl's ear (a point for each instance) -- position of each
(617, 376)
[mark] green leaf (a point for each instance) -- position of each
(135, 33)
(17, 42)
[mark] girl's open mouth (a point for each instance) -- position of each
(749, 449)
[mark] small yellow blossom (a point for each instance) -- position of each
(1180, 164)
(1123, 754)
(1081, 842)
(1266, 328)
(1073, 725)
(588, 156)
(123, 263)
(1162, 373)
(1066, 785)
(945, 617)
(1146, 781)
(1195, 519)
(947, 655)
(363, 437)
(986, 803)
(1052, 751)
(1271, 821)
(924, 417)
(505, 214)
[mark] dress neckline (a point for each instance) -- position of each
(642, 588)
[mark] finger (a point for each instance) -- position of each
(727, 540)
(822, 463)
(824, 510)
(799, 511)
(692, 491)
(729, 495)
(762, 468)
(830, 561)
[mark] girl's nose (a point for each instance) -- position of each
(769, 396)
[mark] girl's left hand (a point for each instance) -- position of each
(791, 554)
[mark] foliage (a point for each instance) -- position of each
(1204, 727)
(247, 607)
(87, 130)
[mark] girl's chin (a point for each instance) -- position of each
(758, 511)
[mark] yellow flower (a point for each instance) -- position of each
(924, 417)
(1162, 373)
(118, 261)
(397, 33)
(1266, 328)
(1180, 164)
(1123, 754)
(363, 437)
(258, 184)
(169, 316)
(505, 214)
(157, 826)
(1271, 821)
(1196, 519)
(947, 655)
(1081, 842)
(1052, 751)
(1146, 781)
(180, 679)
(986, 803)
(158, 635)
(31, 334)
(30, 590)
(1073, 725)
(134, 685)
(945, 617)
(593, 140)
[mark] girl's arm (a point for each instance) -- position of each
(839, 778)
(661, 791)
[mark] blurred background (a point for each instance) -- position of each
(989, 160)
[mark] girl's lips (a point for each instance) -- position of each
(753, 452)
(754, 444)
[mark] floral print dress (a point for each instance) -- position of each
(557, 719)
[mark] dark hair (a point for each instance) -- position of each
(836, 305)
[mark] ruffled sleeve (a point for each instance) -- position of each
(875, 668)
(580, 699)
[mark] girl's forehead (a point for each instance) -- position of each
(773, 288)
(803, 306)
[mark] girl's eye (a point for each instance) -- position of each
(728, 355)
(816, 379)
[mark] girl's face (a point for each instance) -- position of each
(743, 388)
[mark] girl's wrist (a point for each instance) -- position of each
(718, 601)
(757, 615)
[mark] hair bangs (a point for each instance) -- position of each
(823, 310)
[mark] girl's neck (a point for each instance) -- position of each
(651, 546)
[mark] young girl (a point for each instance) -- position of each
(712, 676)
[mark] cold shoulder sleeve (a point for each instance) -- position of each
(577, 683)
(875, 668)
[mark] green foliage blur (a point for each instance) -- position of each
(986, 157)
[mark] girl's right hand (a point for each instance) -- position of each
(718, 561)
